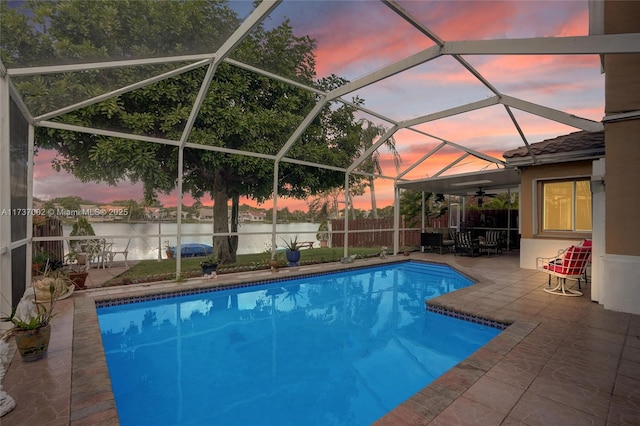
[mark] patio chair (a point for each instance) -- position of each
(110, 254)
(493, 241)
(586, 243)
(465, 244)
(569, 263)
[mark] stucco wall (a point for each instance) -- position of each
(622, 182)
(622, 79)
(622, 84)
(620, 287)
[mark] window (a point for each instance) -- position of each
(566, 206)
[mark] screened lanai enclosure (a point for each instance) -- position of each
(322, 105)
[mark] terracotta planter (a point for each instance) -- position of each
(274, 264)
(33, 344)
(169, 254)
(79, 279)
(36, 268)
(324, 243)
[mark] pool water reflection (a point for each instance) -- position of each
(334, 349)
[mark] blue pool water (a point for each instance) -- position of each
(333, 349)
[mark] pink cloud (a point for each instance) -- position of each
(576, 25)
(468, 20)
(353, 42)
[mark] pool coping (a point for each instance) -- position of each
(93, 402)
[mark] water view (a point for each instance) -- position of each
(144, 245)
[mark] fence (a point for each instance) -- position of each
(51, 227)
(372, 233)
(379, 232)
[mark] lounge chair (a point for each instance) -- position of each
(465, 244)
(569, 263)
(493, 241)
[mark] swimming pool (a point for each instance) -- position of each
(332, 349)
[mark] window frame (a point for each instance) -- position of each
(539, 208)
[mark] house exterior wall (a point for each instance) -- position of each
(620, 289)
(621, 182)
(533, 243)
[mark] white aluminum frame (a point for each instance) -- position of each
(595, 44)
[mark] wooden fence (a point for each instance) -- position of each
(379, 232)
(372, 233)
(51, 227)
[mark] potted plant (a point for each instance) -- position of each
(31, 318)
(82, 251)
(276, 262)
(293, 251)
(77, 268)
(168, 250)
(209, 266)
(39, 262)
(323, 233)
(77, 274)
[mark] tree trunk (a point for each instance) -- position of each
(235, 214)
(374, 207)
(221, 247)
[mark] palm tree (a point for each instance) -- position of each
(369, 134)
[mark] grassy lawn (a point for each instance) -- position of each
(154, 270)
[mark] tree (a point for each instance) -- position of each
(502, 202)
(71, 203)
(242, 110)
(369, 135)
(411, 206)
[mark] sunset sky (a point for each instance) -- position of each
(356, 38)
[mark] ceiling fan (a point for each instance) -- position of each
(480, 194)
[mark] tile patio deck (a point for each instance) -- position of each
(564, 361)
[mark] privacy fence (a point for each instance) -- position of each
(379, 232)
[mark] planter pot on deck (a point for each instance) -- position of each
(33, 344)
(79, 279)
(293, 257)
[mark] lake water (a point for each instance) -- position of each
(145, 239)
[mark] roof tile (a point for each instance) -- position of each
(573, 142)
